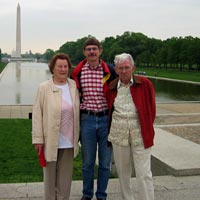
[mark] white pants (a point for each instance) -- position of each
(123, 156)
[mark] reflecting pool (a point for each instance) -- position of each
(175, 91)
(19, 82)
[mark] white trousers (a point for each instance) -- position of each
(123, 157)
(58, 176)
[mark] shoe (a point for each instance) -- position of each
(85, 198)
(101, 198)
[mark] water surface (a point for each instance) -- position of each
(175, 91)
(20, 80)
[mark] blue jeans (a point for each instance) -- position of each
(94, 131)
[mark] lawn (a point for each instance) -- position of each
(171, 73)
(18, 159)
(2, 65)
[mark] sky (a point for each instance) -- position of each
(48, 24)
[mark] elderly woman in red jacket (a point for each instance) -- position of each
(131, 101)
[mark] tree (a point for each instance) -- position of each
(48, 54)
(175, 52)
(74, 50)
(107, 45)
(0, 55)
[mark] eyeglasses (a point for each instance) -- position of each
(126, 68)
(92, 48)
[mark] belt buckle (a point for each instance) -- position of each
(95, 114)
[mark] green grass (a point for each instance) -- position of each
(2, 65)
(18, 159)
(171, 73)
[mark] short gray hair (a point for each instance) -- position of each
(123, 57)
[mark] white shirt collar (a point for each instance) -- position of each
(119, 84)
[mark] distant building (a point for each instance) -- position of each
(17, 53)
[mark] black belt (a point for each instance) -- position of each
(98, 114)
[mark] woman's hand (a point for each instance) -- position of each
(39, 148)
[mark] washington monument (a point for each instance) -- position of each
(18, 33)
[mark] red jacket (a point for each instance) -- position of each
(109, 75)
(143, 96)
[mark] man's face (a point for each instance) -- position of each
(92, 53)
(125, 70)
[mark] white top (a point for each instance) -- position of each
(66, 127)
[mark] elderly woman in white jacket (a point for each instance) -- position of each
(55, 127)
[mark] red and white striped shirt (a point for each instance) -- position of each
(93, 97)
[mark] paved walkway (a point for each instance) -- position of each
(166, 188)
(174, 155)
(15, 111)
(179, 156)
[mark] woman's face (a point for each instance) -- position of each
(61, 69)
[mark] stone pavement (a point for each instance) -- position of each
(171, 155)
(174, 155)
(15, 111)
(166, 188)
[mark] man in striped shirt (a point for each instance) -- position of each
(92, 76)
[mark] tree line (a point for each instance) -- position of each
(182, 53)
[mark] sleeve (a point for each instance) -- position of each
(152, 100)
(37, 119)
